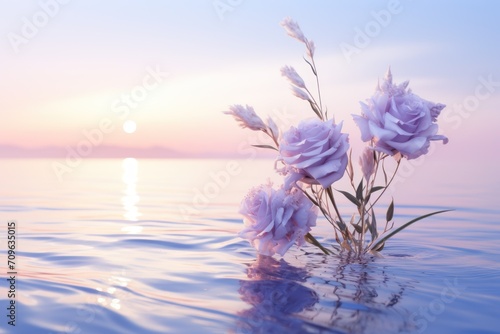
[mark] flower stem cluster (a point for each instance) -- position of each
(315, 154)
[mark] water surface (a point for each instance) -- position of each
(150, 246)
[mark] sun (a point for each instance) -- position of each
(129, 126)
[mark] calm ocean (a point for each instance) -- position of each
(150, 246)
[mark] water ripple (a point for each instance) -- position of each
(92, 260)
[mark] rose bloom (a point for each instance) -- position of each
(276, 219)
(315, 152)
(399, 121)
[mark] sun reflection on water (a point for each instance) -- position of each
(130, 198)
(129, 202)
(112, 296)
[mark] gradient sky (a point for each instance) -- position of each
(72, 71)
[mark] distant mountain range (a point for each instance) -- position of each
(102, 151)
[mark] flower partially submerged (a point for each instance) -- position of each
(313, 155)
(399, 121)
(276, 219)
(247, 117)
(315, 152)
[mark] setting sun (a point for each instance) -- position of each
(129, 126)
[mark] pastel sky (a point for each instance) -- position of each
(173, 66)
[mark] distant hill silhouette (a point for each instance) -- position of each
(102, 151)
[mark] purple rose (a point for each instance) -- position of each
(399, 121)
(276, 219)
(315, 152)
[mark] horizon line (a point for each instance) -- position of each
(8, 151)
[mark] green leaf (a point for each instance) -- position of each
(379, 247)
(390, 211)
(266, 146)
(350, 197)
(310, 239)
(374, 189)
(381, 242)
(341, 225)
(359, 191)
(373, 227)
(349, 166)
(383, 170)
(377, 188)
(358, 228)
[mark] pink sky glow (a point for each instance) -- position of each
(71, 82)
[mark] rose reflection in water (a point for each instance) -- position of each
(356, 297)
(275, 295)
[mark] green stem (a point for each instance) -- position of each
(319, 112)
(386, 186)
(330, 194)
(317, 85)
